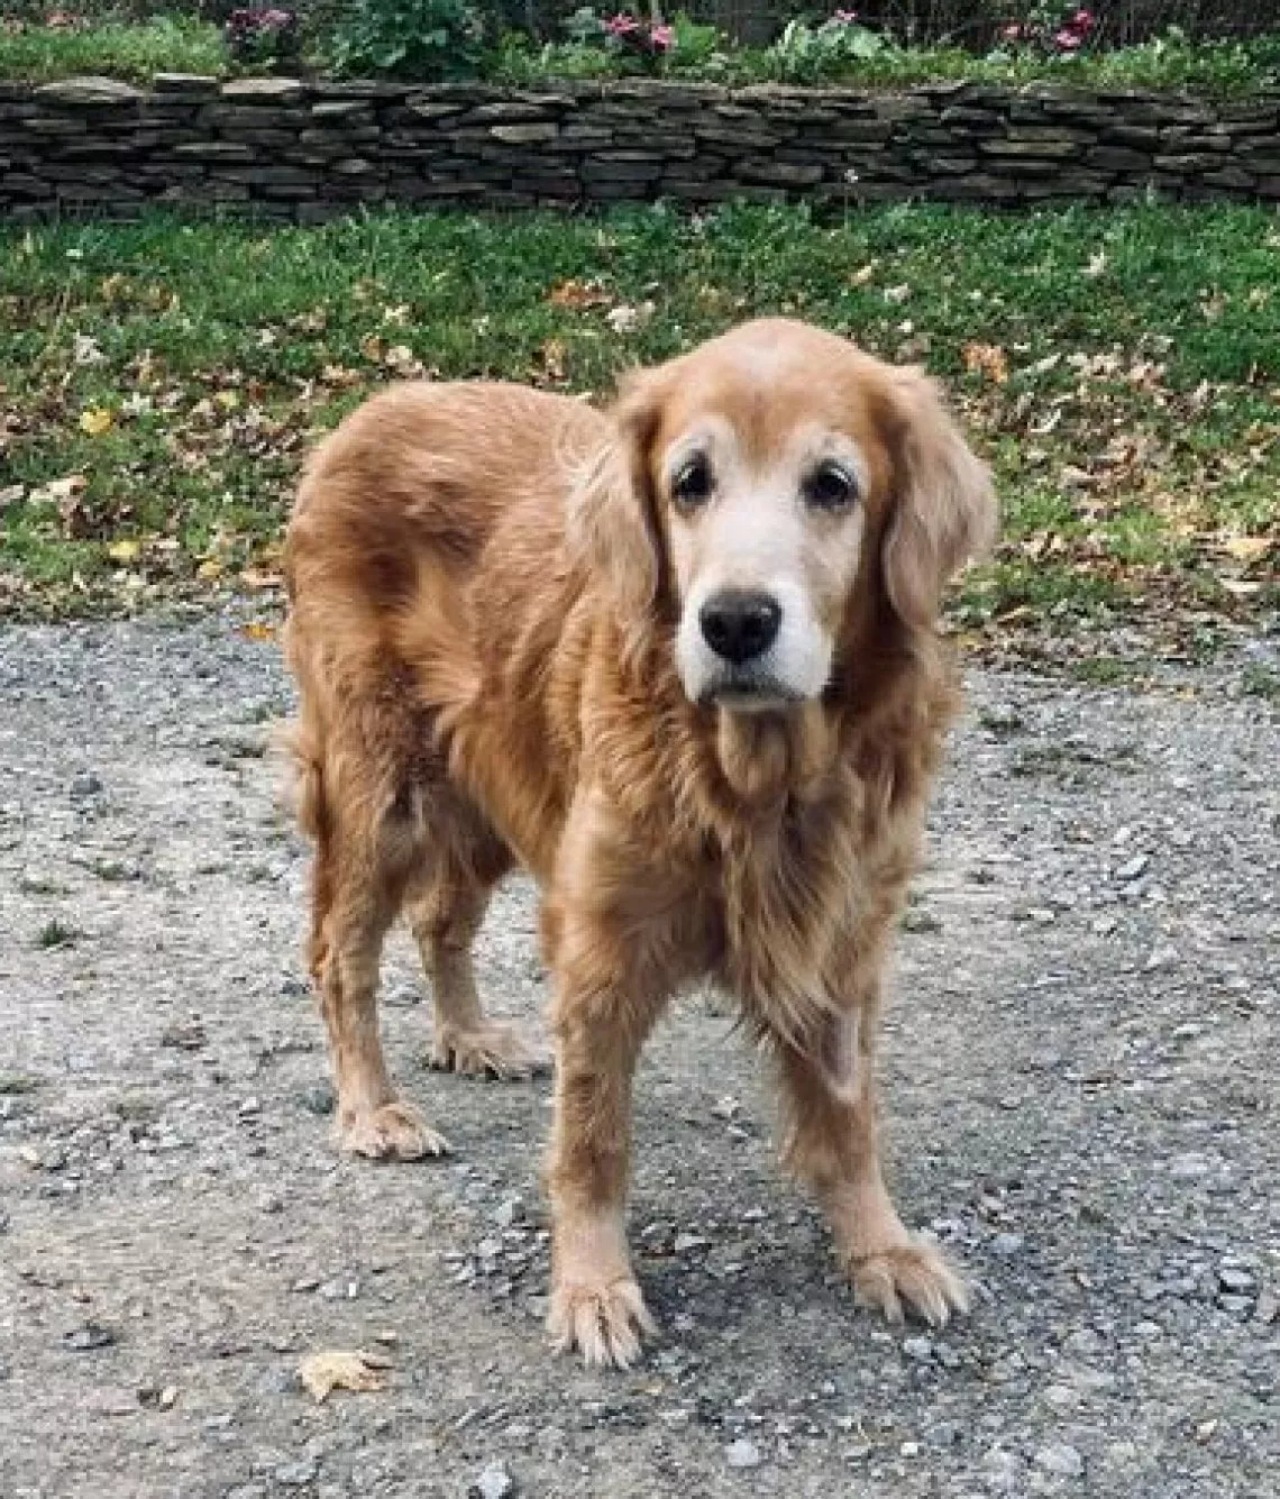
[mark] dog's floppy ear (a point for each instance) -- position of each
(944, 507)
(613, 517)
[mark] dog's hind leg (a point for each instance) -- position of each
(357, 894)
(445, 913)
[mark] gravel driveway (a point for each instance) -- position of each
(1081, 1080)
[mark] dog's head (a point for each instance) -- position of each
(770, 489)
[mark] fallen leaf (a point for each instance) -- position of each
(258, 630)
(97, 420)
(1247, 548)
(552, 355)
(124, 551)
(336, 1369)
(987, 359)
(578, 295)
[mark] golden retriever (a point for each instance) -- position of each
(680, 661)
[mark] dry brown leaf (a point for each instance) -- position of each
(578, 295)
(337, 1369)
(1247, 549)
(259, 630)
(552, 355)
(987, 359)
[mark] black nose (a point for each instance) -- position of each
(740, 626)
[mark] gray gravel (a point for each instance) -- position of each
(1081, 1077)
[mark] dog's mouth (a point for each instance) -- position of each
(740, 693)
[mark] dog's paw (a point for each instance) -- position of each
(911, 1276)
(394, 1132)
(604, 1323)
(487, 1050)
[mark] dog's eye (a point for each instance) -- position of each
(691, 486)
(830, 487)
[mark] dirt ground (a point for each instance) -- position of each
(1080, 1069)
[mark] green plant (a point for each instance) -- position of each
(427, 39)
(805, 53)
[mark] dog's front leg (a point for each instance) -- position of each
(833, 1143)
(596, 1306)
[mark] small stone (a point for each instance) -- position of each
(1133, 868)
(297, 1475)
(270, 1202)
(684, 1243)
(88, 1337)
(403, 996)
(1060, 1458)
(318, 1099)
(494, 1482)
(918, 1349)
(1007, 1244)
(917, 921)
(743, 1454)
(510, 1211)
(1231, 1278)
(86, 784)
(249, 1107)
(279, 1381)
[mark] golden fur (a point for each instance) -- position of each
(487, 584)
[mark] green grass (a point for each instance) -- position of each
(1121, 369)
(131, 50)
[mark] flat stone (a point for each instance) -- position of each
(269, 89)
(89, 90)
(193, 85)
(1061, 1459)
(743, 1454)
(525, 135)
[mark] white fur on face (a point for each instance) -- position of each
(758, 534)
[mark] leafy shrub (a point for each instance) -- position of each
(807, 54)
(427, 39)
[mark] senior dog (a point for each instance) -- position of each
(678, 659)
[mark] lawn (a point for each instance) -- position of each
(160, 383)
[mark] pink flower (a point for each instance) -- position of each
(844, 17)
(662, 38)
(622, 24)
(1013, 32)
(1067, 41)
(1083, 21)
